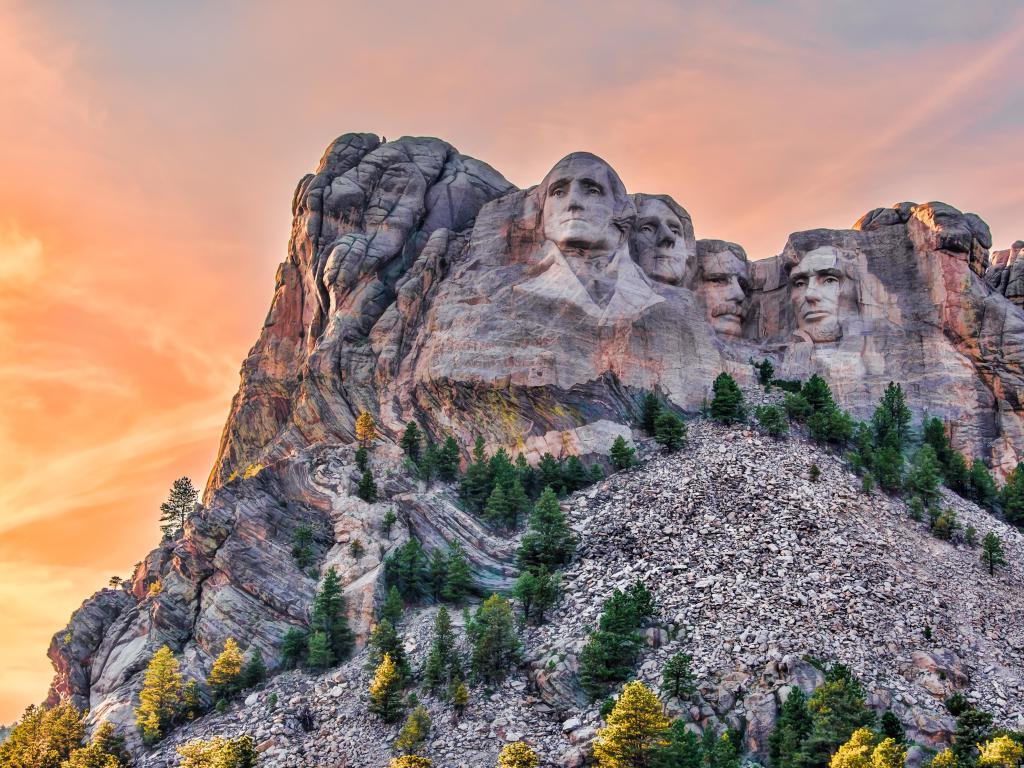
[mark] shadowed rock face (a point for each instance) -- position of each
(420, 285)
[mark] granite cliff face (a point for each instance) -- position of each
(419, 284)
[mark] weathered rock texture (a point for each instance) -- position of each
(419, 284)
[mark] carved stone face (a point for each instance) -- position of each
(816, 288)
(659, 242)
(723, 286)
(579, 206)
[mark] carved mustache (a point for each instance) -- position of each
(718, 310)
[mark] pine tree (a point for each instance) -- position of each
(1012, 496)
(255, 670)
(527, 477)
(44, 737)
(923, 478)
(393, 607)
(888, 754)
(366, 428)
(650, 409)
(517, 755)
(495, 643)
(386, 691)
(945, 759)
(459, 696)
(793, 726)
(574, 476)
(318, 650)
(892, 727)
(992, 553)
(160, 697)
(362, 458)
(458, 583)
(818, 394)
(437, 574)
(448, 459)
(837, 709)
(239, 752)
(772, 420)
(549, 541)
(518, 501)
(623, 455)
(636, 728)
(677, 679)
(329, 616)
(388, 522)
(415, 731)
(106, 750)
(302, 546)
(442, 667)
(669, 431)
(727, 404)
(385, 641)
(476, 485)
(293, 648)
(888, 468)
(429, 461)
(682, 750)
(224, 677)
(179, 505)
(891, 419)
(549, 472)
(973, 727)
(367, 488)
(411, 441)
(537, 590)
(981, 485)
(408, 569)
(496, 511)
(797, 408)
(765, 372)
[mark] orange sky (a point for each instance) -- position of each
(148, 154)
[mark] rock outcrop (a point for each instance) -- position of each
(420, 285)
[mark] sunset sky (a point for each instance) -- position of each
(149, 151)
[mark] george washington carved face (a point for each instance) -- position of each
(584, 205)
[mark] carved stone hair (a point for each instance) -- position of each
(624, 213)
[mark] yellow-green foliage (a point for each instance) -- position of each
(1001, 752)
(945, 759)
(161, 696)
(100, 752)
(414, 732)
(227, 668)
(386, 690)
(864, 750)
(636, 725)
(411, 761)
(155, 588)
(239, 752)
(252, 470)
(43, 738)
(517, 755)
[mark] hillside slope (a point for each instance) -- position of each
(755, 569)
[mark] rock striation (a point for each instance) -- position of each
(420, 285)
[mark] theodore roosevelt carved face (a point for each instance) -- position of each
(723, 287)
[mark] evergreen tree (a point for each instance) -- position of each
(818, 394)
(318, 650)
(527, 477)
(973, 727)
(293, 648)
(160, 697)
(448, 460)
(388, 521)
(610, 652)
(837, 709)
(362, 458)
(459, 696)
(765, 372)
(411, 761)
(792, 728)
(518, 501)
(239, 752)
(670, 431)
(430, 461)
(367, 488)
(549, 472)
(721, 751)
(537, 590)
(106, 750)
(495, 643)
(497, 511)
(386, 691)
(981, 485)
(992, 553)
(682, 750)
(366, 428)
(772, 420)
(224, 677)
(727, 403)
(442, 667)
(385, 641)
(407, 568)
(892, 727)
(415, 731)
(623, 455)
(923, 478)
(888, 754)
(797, 407)
(191, 701)
(891, 419)
(574, 476)
(44, 737)
(1012, 496)
(438, 573)
(945, 759)
(650, 409)
(458, 584)
(549, 541)
(677, 678)
(476, 484)
(329, 616)
(501, 469)
(411, 441)
(302, 546)
(517, 755)
(888, 468)
(393, 607)
(255, 670)
(636, 728)
(829, 425)
(179, 505)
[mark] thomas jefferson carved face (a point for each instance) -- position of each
(723, 286)
(582, 201)
(817, 286)
(660, 241)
